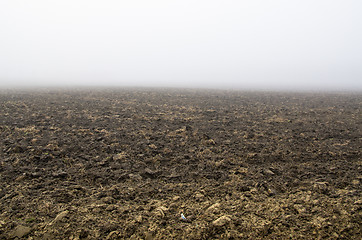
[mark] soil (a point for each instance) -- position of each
(179, 164)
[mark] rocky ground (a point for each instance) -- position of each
(128, 163)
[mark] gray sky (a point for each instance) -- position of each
(269, 44)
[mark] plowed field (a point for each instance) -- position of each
(128, 163)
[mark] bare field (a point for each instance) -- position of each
(126, 163)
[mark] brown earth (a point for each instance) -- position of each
(119, 164)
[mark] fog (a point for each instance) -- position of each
(293, 45)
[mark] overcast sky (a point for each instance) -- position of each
(258, 44)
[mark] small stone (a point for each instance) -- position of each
(20, 231)
(333, 168)
(153, 146)
(138, 218)
(20, 178)
(271, 192)
(176, 198)
(221, 221)
(268, 172)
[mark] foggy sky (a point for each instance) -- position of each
(279, 44)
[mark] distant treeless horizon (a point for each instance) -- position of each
(244, 45)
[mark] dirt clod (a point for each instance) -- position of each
(20, 231)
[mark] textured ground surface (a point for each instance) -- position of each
(116, 164)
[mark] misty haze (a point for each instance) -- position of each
(180, 119)
(276, 45)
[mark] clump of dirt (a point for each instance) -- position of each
(175, 164)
